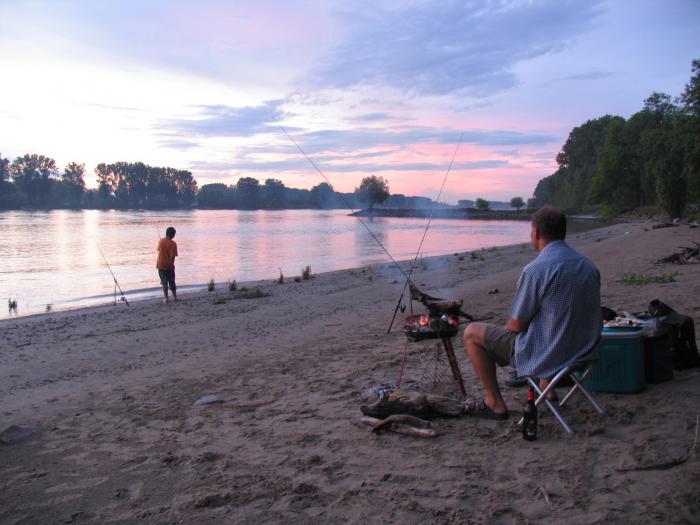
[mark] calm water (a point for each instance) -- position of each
(54, 257)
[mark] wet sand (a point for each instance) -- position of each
(112, 391)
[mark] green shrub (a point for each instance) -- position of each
(211, 285)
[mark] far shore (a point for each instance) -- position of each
(447, 213)
(106, 399)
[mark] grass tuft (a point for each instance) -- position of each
(641, 279)
(211, 285)
(306, 273)
(232, 286)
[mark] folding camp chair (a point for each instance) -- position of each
(577, 372)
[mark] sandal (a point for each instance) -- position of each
(481, 410)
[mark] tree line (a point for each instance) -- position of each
(615, 164)
(249, 194)
(35, 181)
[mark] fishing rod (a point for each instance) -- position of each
(345, 201)
(116, 284)
(425, 232)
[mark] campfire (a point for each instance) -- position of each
(440, 321)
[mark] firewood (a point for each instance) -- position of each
(401, 424)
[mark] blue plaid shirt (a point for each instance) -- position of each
(559, 296)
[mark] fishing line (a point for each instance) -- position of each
(113, 277)
(345, 201)
(425, 232)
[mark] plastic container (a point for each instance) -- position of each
(620, 366)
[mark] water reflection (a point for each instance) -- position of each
(54, 257)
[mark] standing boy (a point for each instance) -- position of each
(167, 251)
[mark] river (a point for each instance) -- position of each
(60, 258)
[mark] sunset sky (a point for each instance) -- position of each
(382, 88)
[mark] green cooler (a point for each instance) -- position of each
(620, 366)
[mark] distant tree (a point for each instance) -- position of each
(33, 175)
(322, 196)
(517, 203)
(248, 193)
(372, 190)
(482, 204)
(691, 94)
(9, 196)
(273, 193)
(616, 182)
(74, 174)
(215, 195)
(4, 169)
(106, 180)
(690, 99)
(667, 165)
(185, 186)
(68, 192)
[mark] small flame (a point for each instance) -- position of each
(424, 320)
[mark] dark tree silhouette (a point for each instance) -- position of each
(372, 190)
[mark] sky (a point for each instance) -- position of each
(395, 89)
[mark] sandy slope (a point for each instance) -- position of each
(113, 391)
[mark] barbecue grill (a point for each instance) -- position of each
(440, 321)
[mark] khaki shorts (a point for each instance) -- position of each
(499, 344)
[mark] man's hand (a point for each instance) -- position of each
(515, 326)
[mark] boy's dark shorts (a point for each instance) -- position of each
(167, 277)
(499, 343)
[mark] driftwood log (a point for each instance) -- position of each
(686, 255)
(401, 424)
(413, 404)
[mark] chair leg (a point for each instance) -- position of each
(579, 386)
(542, 396)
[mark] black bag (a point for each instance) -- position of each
(682, 331)
(685, 349)
(658, 358)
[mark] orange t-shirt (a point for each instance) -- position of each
(167, 251)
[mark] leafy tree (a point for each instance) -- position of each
(482, 204)
(106, 180)
(273, 192)
(690, 99)
(215, 195)
(615, 182)
(33, 175)
(9, 196)
(4, 169)
(691, 94)
(666, 164)
(372, 190)
(74, 174)
(248, 193)
(517, 203)
(323, 196)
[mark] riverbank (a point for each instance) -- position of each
(448, 213)
(112, 390)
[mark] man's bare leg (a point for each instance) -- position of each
(484, 366)
(552, 395)
(165, 293)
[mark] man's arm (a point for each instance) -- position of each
(515, 326)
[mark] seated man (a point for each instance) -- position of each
(555, 316)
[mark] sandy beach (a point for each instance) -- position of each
(112, 392)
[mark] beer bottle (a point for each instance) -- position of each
(530, 417)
